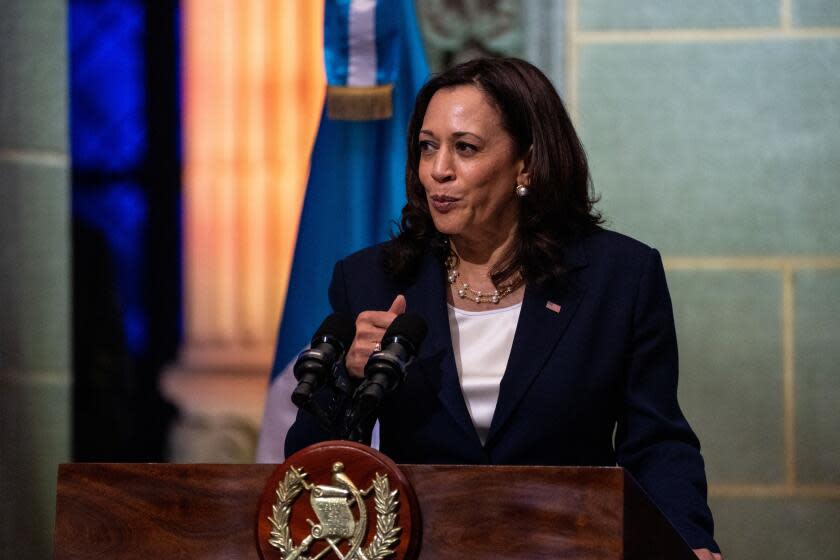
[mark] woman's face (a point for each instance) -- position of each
(468, 165)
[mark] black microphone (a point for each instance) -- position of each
(315, 365)
(385, 369)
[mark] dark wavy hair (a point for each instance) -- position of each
(560, 204)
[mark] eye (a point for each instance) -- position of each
(465, 148)
(426, 146)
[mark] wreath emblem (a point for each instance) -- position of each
(333, 505)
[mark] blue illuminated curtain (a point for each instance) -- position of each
(125, 200)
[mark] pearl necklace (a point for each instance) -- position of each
(465, 292)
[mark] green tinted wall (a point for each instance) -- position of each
(713, 130)
(34, 272)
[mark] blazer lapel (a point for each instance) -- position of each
(427, 297)
(545, 315)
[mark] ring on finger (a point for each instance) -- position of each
(377, 347)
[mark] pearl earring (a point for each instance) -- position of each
(521, 191)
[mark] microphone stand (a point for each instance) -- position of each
(330, 420)
(358, 423)
(324, 421)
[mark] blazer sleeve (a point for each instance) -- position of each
(306, 430)
(653, 439)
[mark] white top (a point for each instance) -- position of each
(482, 341)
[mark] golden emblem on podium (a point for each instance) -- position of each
(337, 525)
(338, 500)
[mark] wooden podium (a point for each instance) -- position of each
(210, 511)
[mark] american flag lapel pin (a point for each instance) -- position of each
(551, 306)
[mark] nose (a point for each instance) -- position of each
(442, 167)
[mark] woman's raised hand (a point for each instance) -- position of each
(370, 327)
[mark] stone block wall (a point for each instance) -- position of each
(35, 354)
(713, 130)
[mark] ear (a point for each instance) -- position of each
(523, 176)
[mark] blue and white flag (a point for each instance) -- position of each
(375, 65)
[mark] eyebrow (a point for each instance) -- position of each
(457, 134)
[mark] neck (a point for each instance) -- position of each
(483, 252)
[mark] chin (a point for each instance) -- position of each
(445, 225)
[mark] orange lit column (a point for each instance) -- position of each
(253, 88)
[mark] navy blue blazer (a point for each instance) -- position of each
(594, 383)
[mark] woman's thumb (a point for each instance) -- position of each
(398, 306)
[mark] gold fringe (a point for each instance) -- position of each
(359, 103)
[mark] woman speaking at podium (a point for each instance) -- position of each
(551, 340)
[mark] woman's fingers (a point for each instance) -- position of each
(379, 319)
(357, 358)
(370, 327)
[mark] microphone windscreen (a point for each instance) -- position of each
(338, 325)
(409, 326)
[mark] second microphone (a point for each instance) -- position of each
(386, 369)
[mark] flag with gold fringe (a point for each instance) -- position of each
(375, 64)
